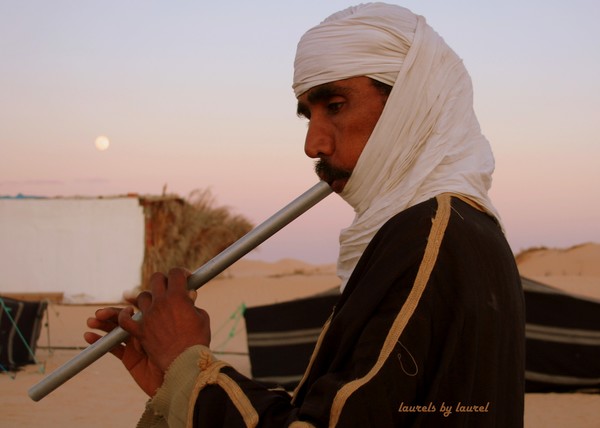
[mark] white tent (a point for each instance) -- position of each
(90, 249)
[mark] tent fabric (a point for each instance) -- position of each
(562, 334)
(562, 339)
(20, 327)
(281, 337)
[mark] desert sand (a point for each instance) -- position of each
(103, 394)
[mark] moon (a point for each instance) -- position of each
(102, 143)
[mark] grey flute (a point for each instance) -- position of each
(198, 278)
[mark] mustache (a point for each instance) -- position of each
(329, 173)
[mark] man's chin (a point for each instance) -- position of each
(338, 185)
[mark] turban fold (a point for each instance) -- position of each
(427, 140)
(353, 43)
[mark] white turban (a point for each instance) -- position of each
(427, 140)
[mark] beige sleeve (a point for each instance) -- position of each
(170, 405)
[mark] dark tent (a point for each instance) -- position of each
(20, 326)
(281, 337)
(562, 339)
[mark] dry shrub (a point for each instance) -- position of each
(186, 233)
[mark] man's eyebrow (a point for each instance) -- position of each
(302, 110)
(320, 94)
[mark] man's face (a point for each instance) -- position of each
(342, 115)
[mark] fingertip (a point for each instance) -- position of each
(144, 300)
(127, 311)
(157, 276)
(179, 271)
(175, 273)
(157, 280)
(125, 319)
(178, 280)
(90, 337)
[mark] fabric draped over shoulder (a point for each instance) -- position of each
(427, 141)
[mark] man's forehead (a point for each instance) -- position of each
(337, 87)
(325, 90)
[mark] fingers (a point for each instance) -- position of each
(105, 314)
(192, 294)
(161, 288)
(127, 323)
(158, 284)
(178, 281)
(105, 319)
(92, 338)
(144, 300)
(173, 283)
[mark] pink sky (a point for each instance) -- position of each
(199, 98)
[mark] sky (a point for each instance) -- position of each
(197, 95)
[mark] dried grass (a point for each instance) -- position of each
(187, 233)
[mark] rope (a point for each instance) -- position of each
(3, 369)
(234, 318)
(13, 322)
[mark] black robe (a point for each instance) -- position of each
(429, 332)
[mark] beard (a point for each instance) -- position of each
(328, 173)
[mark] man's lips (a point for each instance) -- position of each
(338, 185)
(335, 177)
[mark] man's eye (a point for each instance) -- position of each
(334, 107)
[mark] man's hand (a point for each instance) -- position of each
(146, 374)
(170, 324)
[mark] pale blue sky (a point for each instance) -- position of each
(197, 94)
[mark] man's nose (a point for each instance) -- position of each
(319, 139)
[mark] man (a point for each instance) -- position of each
(429, 329)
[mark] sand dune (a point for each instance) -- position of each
(575, 269)
(103, 395)
(284, 267)
(579, 260)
